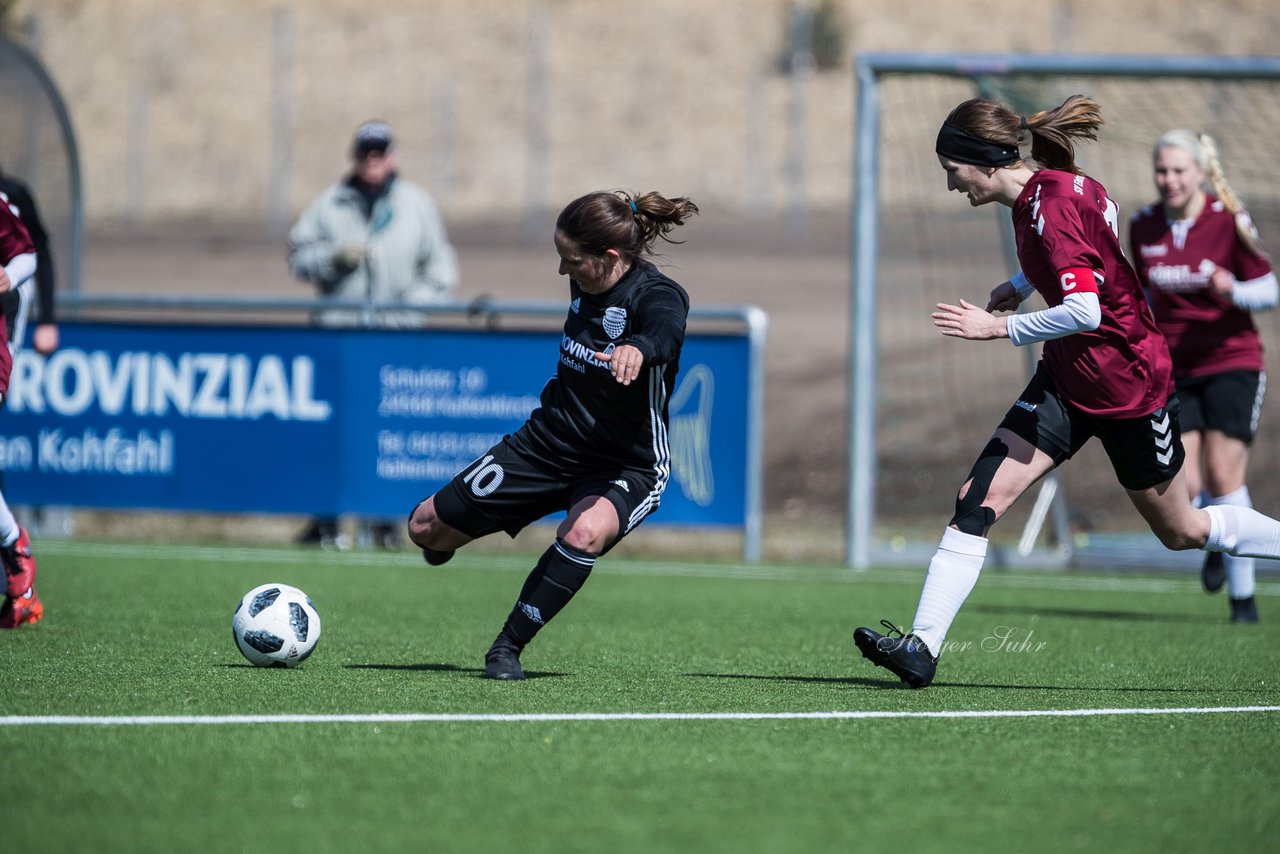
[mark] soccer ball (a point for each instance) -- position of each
(276, 625)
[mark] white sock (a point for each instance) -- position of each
(8, 524)
(1242, 531)
(1202, 499)
(1240, 570)
(953, 571)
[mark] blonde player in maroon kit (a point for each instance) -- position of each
(1105, 370)
(1198, 256)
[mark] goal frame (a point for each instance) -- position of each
(861, 551)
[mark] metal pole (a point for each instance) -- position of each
(862, 324)
(801, 72)
(536, 136)
(281, 121)
(1051, 492)
(757, 331)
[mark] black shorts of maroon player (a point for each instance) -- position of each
(505, 490)
(1144, 451)
(1230, 401)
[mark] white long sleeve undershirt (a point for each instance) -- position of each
(1079, 312)
(1256, 294)
(20, 268)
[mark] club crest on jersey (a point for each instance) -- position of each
(615, 320)
(575, 305)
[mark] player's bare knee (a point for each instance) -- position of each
(585, 537)
(423, 524)
(419, 532)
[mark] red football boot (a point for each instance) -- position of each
(21, 610)
(19, 565)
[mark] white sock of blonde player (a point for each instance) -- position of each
(1242, 532)
(8, 524)
(1240, 570)
(953, 571)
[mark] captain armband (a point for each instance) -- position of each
(1081, 280)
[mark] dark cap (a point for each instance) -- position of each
(371, 136)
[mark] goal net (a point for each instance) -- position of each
(922, 406)
(37, 147)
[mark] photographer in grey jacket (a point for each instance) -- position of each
(377, 237)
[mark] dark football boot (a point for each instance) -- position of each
(502, 661)
(906, 656)
(1244, 610)
(1213, 572)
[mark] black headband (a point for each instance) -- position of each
(960, 146)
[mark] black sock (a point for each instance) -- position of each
(559, 573)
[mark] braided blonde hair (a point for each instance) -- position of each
(1204, 151)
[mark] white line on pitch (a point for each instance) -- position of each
(571, 717)
(309, 557)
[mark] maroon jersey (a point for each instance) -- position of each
(1206, 333)
(14, 241)
(1066, 228)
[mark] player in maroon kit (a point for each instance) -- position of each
(20, 605)
(1105, 370)
(1198, 256)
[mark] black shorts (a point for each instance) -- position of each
(1144, 451)
(15, 304)
(507, 490)
(1230, 402)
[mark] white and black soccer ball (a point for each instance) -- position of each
(275, 625)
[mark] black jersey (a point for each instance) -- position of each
(587, 418)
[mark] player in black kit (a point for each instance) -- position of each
(597, 445)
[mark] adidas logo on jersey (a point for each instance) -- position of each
(575, 305)
(1022, 404)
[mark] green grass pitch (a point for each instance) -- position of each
(144, 631)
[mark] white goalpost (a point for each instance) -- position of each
(922, 406)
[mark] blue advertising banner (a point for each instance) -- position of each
(253, 419)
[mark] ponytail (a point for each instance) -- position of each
(626, 222)
(987, 133)
(1053, 132)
